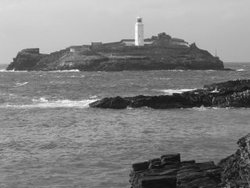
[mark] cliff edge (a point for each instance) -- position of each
(160, 52)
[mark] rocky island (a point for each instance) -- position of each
(161, 52)
(235, 93)
(169, 171)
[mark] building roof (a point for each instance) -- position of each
(127, 40)
(132, 40)
(148, 40)
(75, 47)
(111, 43)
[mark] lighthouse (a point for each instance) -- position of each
(139, 32)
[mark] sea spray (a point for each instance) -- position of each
(45, 103)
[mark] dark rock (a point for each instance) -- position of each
(231, 172)
(26, 60)
(187, 163)
(140, 166)
(199, 175)
(115, 103)
(229, 87)
(186, 174)
(170, 159)
(226, 94)
(206, 165)
(155, 163)
(236, 168)
(158, 182)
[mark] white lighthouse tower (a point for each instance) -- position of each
(139, 32)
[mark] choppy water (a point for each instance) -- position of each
(50, 138)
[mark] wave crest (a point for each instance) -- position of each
(240, 70)
(18, 84)
(45, 103)
(4, 70)
(72, 70)
(172, 91)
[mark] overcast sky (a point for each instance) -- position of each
(55, 24)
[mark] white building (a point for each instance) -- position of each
(131, 42)
(139, 32)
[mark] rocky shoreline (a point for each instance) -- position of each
(235, 93)
(169, 171)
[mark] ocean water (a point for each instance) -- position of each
(50, 138)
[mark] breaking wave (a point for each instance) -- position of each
(4, 70)
(240, 70)
(93, 97)
(73, 70)
(45, 103)
(203, 108)
(176, 70)
(172, 91)
(18, 84)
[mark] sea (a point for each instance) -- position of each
(51, 138)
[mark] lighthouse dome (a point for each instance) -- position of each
(139, 19)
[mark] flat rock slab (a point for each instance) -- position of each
(172, 172)
(168, 171)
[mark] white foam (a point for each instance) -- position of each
(202, 108)
(176, 70)
(93, 97)
(240, 70)
(215, 91)
(163, 78)
(41, 99)
(210, 70)
(4, 70)
(172, 91)
(44, 103)
(73, 70)
(18, 84)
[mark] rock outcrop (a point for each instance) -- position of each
(169, 171)
(163, 53)
(236, 168)
(226, 94)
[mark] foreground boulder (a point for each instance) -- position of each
(226, 94)
(169, 171)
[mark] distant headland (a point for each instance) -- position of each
(161, 52)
